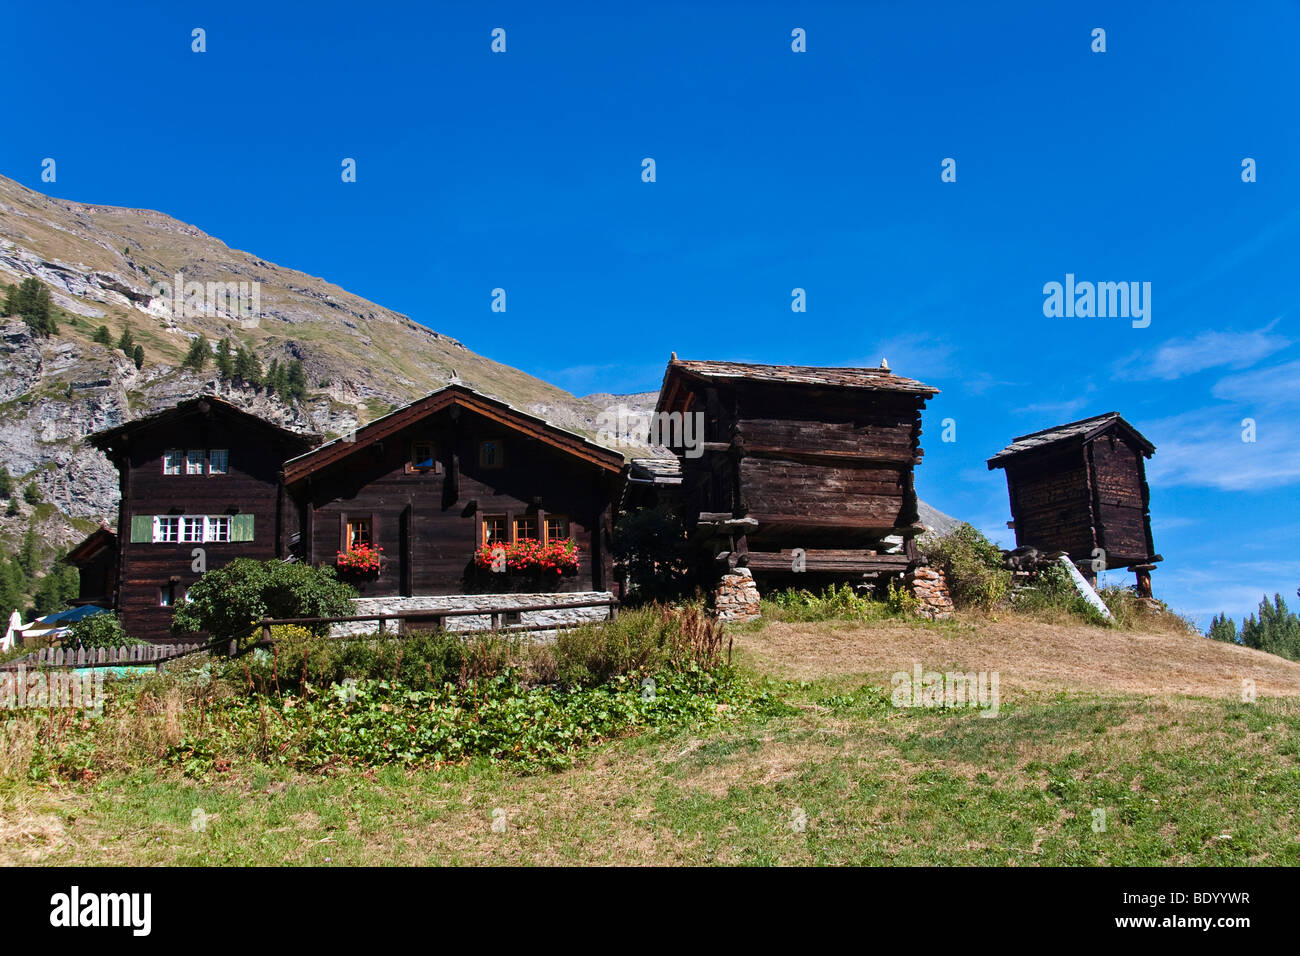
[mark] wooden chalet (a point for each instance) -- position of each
(95, 559)
(1081, 488)
(433, 482)
(201, 485)
(798, 472)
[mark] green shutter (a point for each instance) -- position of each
(241, 528)
(141, 528)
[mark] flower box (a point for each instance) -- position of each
(363, 559)
(529, 557)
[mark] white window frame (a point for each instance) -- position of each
(195, 458)
(225, 461)
(173, 461)
(212, 527)
(188, 521)
(169, 521)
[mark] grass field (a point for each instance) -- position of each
(1110, 747)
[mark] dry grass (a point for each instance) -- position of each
(1030, 656)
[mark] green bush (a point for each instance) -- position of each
(227, 601)
(972, 566)
(96, 631)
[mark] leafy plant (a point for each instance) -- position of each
(972, 567)
(227, 601)
(96, 631)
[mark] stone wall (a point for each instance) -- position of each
(736, 597)
(478, 622)
(931, 591)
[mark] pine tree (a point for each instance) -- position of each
(225, 361)
(138, 356)
(32, 301)
(12, 510)
(1276, 631)
(197, 356)
(32, 494)
(6, 483)
(248, 368)
(103, 337)
(29, 558)
(1223, 628)
(126, 341)
(297, 380)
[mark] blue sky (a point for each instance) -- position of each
(775, 170)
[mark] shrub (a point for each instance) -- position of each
(103, 337)
(96, 631)
(227, 601)
(972, 566)
(32, 494)
(641, 641)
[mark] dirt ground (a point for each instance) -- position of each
(1029, 656)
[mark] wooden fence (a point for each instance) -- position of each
(136, 654)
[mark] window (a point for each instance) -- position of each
(557, 528)
(166, 529)
(194, 461)
(218, 461)
(192, 528)
(494, 529)
(526, 527)
(490, 454)
(358, 532)
(167, 595)
(172, 462)
(218, 528)
(422, 456)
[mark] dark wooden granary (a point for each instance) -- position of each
(95, 559)
(796, 472)
(438, 479)
(1081, 488)
(201, 485)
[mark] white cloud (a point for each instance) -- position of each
(1279, 385)
(1203, 448)
(1179, 357)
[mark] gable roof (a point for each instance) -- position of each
(463, 396)
(112, 441)
(1082, 431)
(91, 545)
(865, 379)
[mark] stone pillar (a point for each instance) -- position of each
(736, 598)
(931, 591)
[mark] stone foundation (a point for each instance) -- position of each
(478, 622)
(931, 591)
(736, 598)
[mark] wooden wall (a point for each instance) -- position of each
(1051, 502)
(251, 486)
(816, 467)
(1121, 499)
(429, 524)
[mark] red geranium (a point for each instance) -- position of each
(361, 559)
(554, 557)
